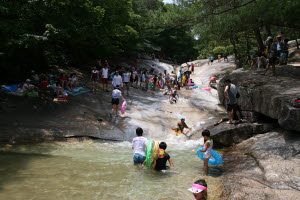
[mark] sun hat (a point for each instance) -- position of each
(196, 188)
(270, 38)
(28, 80)
(182, 118)
(279, 36)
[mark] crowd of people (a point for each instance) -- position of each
(276, 51)
(122, 79)
(211, 59)
(51, 82)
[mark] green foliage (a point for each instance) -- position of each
(36, 34)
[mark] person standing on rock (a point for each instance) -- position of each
(272, 55)
(193, 68)
(231, 95)
(104, 76)
(95, 78)
(116, 95)
(117, 80)
(126, 79)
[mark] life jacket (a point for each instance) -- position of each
(161, 153)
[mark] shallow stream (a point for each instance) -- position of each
(95, 169)
(98, 170)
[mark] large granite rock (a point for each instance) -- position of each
(269, 96)
(266, 166)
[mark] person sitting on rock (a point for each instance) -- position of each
(27, 87)
(180, 127)
(173, 97)
(213, 82)
(73, 81)
(63, 80)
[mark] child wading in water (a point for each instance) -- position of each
(162, 158)
(199, 189)
(207, 149)
(139, 146)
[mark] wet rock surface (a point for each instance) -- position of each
(266, 166)
(267, 95)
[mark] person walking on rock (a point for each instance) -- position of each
(116, 95)
(231, 94)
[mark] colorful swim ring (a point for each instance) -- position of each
(216, 158)
(123, 108)
(151, 153)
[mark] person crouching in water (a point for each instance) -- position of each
(207, 149)
(180, 127)
(116, 94)
(162, 158)
(139, 146)
(199, 189)
(173, 97)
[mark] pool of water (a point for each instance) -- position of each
(98, 170)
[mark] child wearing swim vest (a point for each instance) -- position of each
(162, 158)
(199, 189)
(207, 149)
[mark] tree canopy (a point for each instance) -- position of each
(36, 34)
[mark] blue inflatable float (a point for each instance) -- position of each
(216, 159)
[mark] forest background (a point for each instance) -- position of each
(36, 34)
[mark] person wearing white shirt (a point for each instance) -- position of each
(126, 79)
(104, 76)
(27, 86)
(116, 94)
(117, 80)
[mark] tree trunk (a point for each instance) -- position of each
(268, 30)
(236, 55)
(259, 39)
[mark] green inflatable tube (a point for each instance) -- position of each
(149, 154)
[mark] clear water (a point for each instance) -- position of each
(98, 170)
